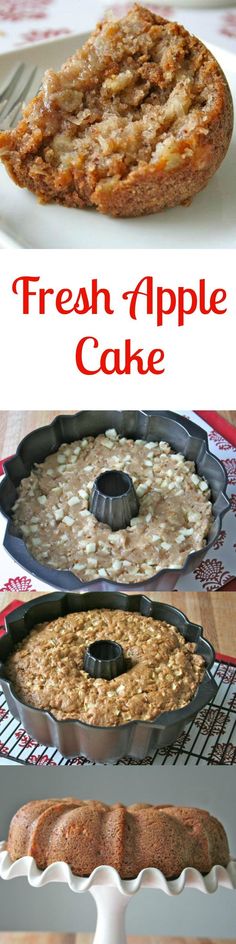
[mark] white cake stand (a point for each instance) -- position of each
(110, 893)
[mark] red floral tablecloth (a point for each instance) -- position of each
(28, 21)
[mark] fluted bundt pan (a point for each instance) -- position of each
(136, 739)
(182, 435)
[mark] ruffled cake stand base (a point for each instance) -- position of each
(110, 893)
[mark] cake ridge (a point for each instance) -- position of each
(88, 834)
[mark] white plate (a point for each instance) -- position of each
(108, 877)
(210, 221)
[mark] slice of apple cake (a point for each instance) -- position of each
(137, 120)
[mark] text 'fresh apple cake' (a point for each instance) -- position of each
(137, 120)
(86, 834)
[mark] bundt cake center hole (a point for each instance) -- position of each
(104, 659)
(113, 499)
(114, 484)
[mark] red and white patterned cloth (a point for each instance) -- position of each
(28, 21)
(219, 565)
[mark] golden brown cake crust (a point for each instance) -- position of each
(136, 121)
(162, 670)
(87, 833)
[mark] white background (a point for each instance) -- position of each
(38, 368)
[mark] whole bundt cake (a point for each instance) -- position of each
(86, 834)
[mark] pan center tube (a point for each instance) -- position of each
(104, 659)
(114, 500)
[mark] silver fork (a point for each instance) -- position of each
(19, 88)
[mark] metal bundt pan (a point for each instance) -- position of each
(137, 739)
(183, 435)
